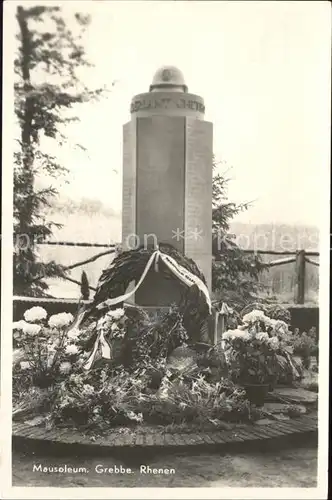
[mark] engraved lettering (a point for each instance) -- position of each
(181, 103)
(166, 103)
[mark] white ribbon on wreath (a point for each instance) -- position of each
(179, 271)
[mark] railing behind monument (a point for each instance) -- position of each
(301, 259)
(298, 272)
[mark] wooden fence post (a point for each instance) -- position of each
(300, 277)
(85, 290)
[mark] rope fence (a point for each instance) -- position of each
(299, 257)
(92, 259)
(310, 261)
(78, 244)
(311, 253)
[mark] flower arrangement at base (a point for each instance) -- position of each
(259, 352)
(119, 398)
(52, 384)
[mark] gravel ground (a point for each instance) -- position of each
(292, 467)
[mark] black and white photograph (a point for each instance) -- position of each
(165, 249)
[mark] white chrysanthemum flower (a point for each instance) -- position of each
(116, 314)
(238, 333)
(19, 325)
(25, 365)
(262, 336)
(65, 367)
(31, 329)
(274, 343)
(74, 334)
(280, 326)
(60, 320)
(108, 320)
(255, 315)
(266, 320)
(17, 355)
(71, 349)
(232, 334)
(227, 335)
(35, 314)
(138, 417)
(88, 389)
(76, 378)
(104, 322)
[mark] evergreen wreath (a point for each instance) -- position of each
(128, 266)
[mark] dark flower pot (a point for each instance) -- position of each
(256, 393)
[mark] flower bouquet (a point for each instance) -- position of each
(43, 356)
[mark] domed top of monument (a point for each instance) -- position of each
(168, 78)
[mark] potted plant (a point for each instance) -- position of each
(253, 353)
(252, 363)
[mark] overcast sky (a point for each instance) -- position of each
(263, 69)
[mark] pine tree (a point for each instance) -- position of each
(46, 90)
(235, 273)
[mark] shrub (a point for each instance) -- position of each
(278, 312)
(305, 346)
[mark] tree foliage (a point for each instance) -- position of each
(235, 273)
(47, 90)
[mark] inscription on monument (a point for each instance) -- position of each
(198, 194)
(129, 182)
(166, 103)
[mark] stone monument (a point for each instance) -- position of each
(167, 179)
